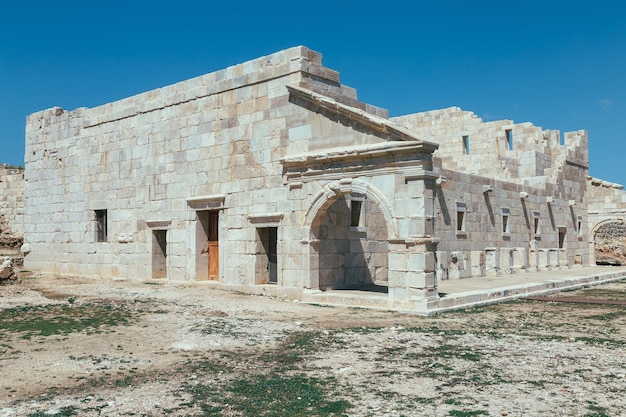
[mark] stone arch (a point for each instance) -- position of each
(601, 223)
(342, 255)
(338, 188)
(608, 242)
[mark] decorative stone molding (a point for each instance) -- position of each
(125, 237)
(336, 188)
(265, 219)
(410, 158)
(158, 224)
(207, 202)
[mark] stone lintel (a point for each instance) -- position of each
(158, 224)
(421, 174)
(207, 202)
(412, 241)
(265, 218)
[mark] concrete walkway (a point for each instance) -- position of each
(454, 286)
(470, 292)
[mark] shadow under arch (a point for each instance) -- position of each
(327, 206)
(604, 248)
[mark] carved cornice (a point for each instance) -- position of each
(265, 218)
(158, 224)
(380, 159)
(207, 202)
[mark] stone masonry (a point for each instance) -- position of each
(11, 207)
(271, 177)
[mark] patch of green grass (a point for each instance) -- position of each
(7, 350)
(610, 316)
(448, 351)
(595, 410)
(223, 327)
(424, 400)
(269, 395)
(465, 413)
(57, 319)
(63, 412)
(362, 330)
(126, 381)
(295, 346)
(206, 366)
(602, 341)
(436, 331)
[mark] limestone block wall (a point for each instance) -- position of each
(11, 206)
(146, 170)
(489, 227)
(500, 149)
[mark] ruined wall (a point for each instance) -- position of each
(521, 153)
(510, 160)
(11, 207)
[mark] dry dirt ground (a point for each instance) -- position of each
(79, 347)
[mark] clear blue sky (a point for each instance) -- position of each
(560, 65)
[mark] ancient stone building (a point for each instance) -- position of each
(271, 177)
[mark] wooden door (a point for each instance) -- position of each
(214, 262)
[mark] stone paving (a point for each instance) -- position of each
(471, 292)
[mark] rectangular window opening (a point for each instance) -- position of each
(562, 232)
(505, 220)
(461, 209)
(356, 219)
(536, 216)
(466, 145)
(579, 225)
(101, 225)
(509, 139)
(460, 221)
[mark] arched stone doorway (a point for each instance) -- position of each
(348, 225)
(609, 237)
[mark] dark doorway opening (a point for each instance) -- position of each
(159, 254)
(267, 255)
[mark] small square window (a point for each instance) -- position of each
(101, 225)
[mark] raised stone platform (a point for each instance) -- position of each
(472, 292)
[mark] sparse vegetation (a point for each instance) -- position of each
(343, 363)
(55, 319)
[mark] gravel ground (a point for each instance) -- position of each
(83, 347)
